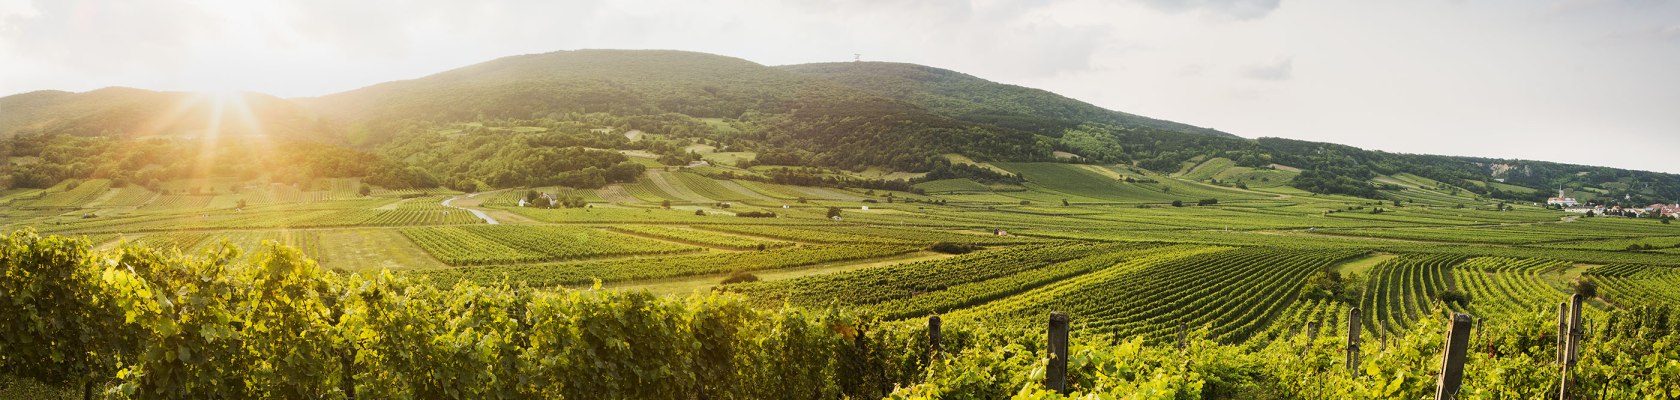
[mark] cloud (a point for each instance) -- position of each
(1281, 69)
(1233, 9)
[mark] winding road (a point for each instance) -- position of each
(480, 214)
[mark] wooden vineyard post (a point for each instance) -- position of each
(934, 347)
(1312, 333)
(1563, 333)
(1353, 341)
(1183, 333)
(1055, 375)
(1571, 347)
(1452, 360)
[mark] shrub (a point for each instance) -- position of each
(739, 277)
(954, 248)
(1456, 297)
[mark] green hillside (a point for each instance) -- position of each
(130, 113)
(969, 98)
(818, 121)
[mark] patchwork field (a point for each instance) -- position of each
(1106, 243)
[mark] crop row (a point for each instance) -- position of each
(978, 292)
(1233, 293)
(493, 244)
(1631, 285)
(619, 270)
(702, 237)
(1403, 289)
(1501, 286)
(799, 235)
(897, 282)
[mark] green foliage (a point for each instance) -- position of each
(1332, 285)
(957, 95)
(147, 160)
(276, 325)
(954, 248)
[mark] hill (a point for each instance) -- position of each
(830, 124)
(131, 113)
(502, 122)
(965, 97)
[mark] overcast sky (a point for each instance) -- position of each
(1581, 81)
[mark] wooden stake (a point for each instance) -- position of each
(1055, 375)
(934, 335)
(1452, 360)
(1353, 341)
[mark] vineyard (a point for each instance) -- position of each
(583, 272)
(491, 244)
(292, 329)
(1232, 293)
(1402, 288)
(701, 238)
(1247, 278)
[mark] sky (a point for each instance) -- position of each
(1580, 81)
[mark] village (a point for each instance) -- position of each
(1569, 204)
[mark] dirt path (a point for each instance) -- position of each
(480, 214)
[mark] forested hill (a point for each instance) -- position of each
(132, 113)
(827, 123)
(963, 96)
(504, 122)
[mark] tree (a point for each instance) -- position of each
(365, 190)
(1178, 203)
(241, 204)
(1586, 287)
(699, 212)
(665, 204)
(833, 212)
(1064, 202)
